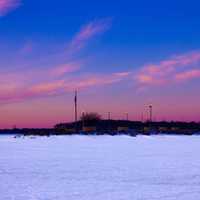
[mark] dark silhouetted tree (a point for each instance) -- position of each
(92, 116)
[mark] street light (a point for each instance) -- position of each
(127, 117)
(150, 113)
(109, 114)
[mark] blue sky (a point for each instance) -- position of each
(145, 50)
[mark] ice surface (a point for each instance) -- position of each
(100, 168)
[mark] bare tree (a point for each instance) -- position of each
(92, 116)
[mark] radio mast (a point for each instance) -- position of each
(75, 107)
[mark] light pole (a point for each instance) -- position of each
(150, 113)
(83, 121)
(142, 117)
(127, 117)
(109, 114)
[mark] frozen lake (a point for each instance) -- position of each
(100, 168)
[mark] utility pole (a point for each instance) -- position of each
(142, 117)
(83, 120)
(150, 113)
(109, 114)
(127, 117)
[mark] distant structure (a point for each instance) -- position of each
(127, 116)
(150, 113)
(142, 117)
(109, 116)
(83, 116)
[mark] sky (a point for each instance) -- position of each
(121, 56)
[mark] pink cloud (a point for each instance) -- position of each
(33, 83)
(94, 81)
(122, 74)
(46, 88)
(184, 76)
(88, 32)
(43, 81)
(20, 94)
(65, 69)
(8, 5)
(92, 29)
(51, 88)
(165, 72)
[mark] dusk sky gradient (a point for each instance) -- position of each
(120, 55)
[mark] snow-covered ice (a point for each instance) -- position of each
(100, 168)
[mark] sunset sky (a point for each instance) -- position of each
(120, 55)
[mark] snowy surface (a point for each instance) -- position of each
(100, 168)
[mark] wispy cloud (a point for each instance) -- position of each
(170, 70)
(35, 83)
(7, 6)
(65, 69)
(88, 32)
(15, 93)
(96, 80)
(188, 75)
(123, 74)
(59, 79)
(19, 94)
(46, 89)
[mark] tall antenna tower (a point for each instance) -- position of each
(75, 106)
